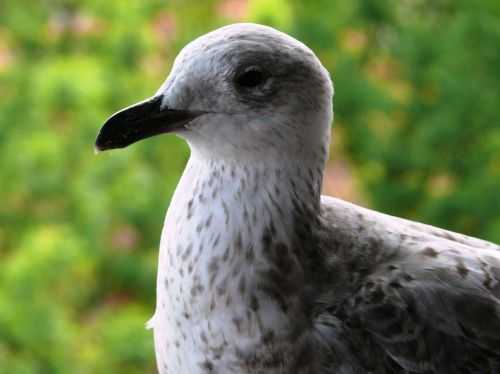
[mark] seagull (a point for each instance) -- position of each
(259, 273)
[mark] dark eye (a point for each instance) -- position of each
(252, 77)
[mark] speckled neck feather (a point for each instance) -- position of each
(229, 276)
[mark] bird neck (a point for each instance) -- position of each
(245, 197)
(229, 248)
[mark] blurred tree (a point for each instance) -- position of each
(416, 113)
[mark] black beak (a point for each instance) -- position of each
(141, 121)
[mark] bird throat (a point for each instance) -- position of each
(231, 273)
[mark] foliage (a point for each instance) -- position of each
(417, 103)
(416, 113)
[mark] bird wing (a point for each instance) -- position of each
(426, 298)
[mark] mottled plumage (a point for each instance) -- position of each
(258, 273)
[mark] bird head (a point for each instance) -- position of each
(243, 90)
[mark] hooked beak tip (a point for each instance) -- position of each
(140, 121)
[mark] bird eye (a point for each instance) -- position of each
(252, 77)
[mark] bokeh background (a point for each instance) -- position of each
(416, 133)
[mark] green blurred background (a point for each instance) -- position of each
(417, 134)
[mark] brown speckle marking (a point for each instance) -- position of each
(226, 212)
(225, 256)
(216, 240)
(203, 337)
(488, 280)
(392, 267)
(237, 323)
(213, 265)
(197, 289)
(208, 366)
(242, 285)
(245, 214)
(189, 209)
(430, 252)
(187, 252)
(208, 221)
(407, 277)
(201, 198)
(238, 244)
(268, 337)
(199, 227)
(254, 303)
(254, 216)
(215, 192)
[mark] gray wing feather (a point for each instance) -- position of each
(427, 298)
